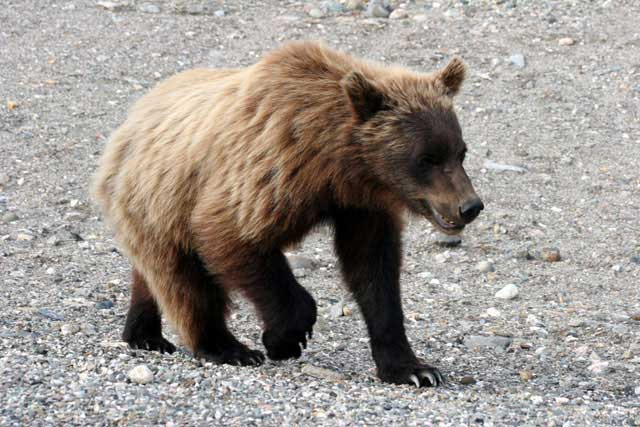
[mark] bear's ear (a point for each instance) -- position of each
(364, 97)
(453, 75)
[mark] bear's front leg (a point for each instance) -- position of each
(287, 310)
(368, 244)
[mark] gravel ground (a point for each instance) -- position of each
(551, 113)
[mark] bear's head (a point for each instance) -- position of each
(410, 140)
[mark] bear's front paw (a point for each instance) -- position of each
(238, 355)
(418, 374)
(286, 344)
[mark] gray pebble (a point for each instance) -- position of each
(4, 179)
(485, 267)
(510, 291)
(104, 305)
(300, 261)
(45, 312)
(149, 8)
(378, 9)
(9, 217)
(316, 13)
(322, 373)
(491, 342)
(517, 59)
(447, 241)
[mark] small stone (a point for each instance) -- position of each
(447, 241)
(453, 289)
(321, 373)
(485, 267)
(518, 60)
(9, 217)
(12, 105)
(378, 9)
(300, 272)
(218, 414)
(424, 275)
(346, 310)
(441, 258)
(581, 351)
(467, 380)
(74, 216)
(399, 14)
(492, 342)
(537, 400)
(635, 316)
(599, 367)
(550, 254)
(420, 18)
(141, 374)
(635, 259)
(526, 375)
(4, 179)
(104, 304)
(500, 167)
(51, 271)
(69, 329)
(149, 8)
(562, 400)
(451, 13)
(336, 310)
(616, 268)
(109, 5)
(637, 391)
(576, 323)
(45, 312)
(24, 237)
(354, 5)
(493, 312)
(566, 41)
(219, 13)
(300, 261)
(508, 292)
(316, 13)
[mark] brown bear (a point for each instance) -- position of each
(214, 172)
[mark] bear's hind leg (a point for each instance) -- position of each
(143, 327)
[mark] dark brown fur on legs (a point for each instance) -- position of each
(368, 244)
(143, 327)
(287, 310)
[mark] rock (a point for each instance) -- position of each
(316, 13)
(300, 261)
(526, 375)
(399, 14)
(490, 164)
(635, 316)
(45, 312)
(424, 274)
(420, 17)
(451, 13)
(550, 254)
(566, 41)
(219, 13)
(104, 304)
(354, 5)
(467, 380)
(537, 400)
(109, 5)
(4, 179)
(336, 310)
(74, 216)
(493, 312)
(333, 6)
(9, 217)
(492, 342)
(510, 291)
(69, 329)
(453, 289)
(378, 9)
(635, 259)
(50, 271)
(300, 272)
(485, 267)
(581, 351)
(447, 241)
(24, 237)
(616, 268)
(518, 60)
(599, 367)
(141, 374)
(322, 373)
(562, 400)
(149, 8)
(576, 323)
(637, 391)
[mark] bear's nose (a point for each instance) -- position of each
(471, 209)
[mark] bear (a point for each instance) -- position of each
(215, 172)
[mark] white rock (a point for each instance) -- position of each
(141, 374)
(637, 391)
(493, 312)
(566, 41)
(69, 329)
(581, 351)
(424, 274)
(536, 400)
(485, 267)
(420, 18)
(399, 14)
(508, 292)
(562, 400)
(599, 367)
(453, 289)
(51, 271)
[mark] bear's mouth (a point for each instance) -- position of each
(445, 224)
